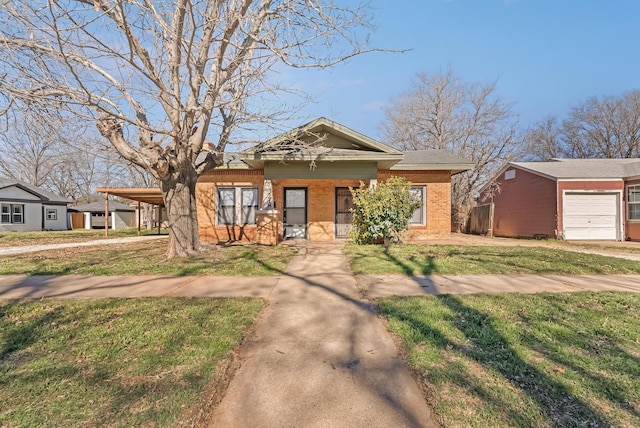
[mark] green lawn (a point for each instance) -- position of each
(541, 360)
(116, 362)
(19, 239)
(148, 257)
(457, 259)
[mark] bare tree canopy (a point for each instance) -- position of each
(441, 111)
(606, 127)
(160, 77)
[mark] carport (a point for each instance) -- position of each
(149, 195)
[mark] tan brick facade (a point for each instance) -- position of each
(321, 205)
(206, 196)
(438, 194)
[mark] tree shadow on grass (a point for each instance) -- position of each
(427, 267)
(489, 348)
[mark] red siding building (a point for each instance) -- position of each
(572, 199)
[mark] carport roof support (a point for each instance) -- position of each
(150, 195)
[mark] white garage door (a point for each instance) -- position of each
(591, 216)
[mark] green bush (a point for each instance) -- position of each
(382, 212)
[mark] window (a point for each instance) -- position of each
(633, 202)
(237, 205)
(249, 205)
(52, 214)
(226, 206)
(12, 213)
(6, 214)
(510, 174)
(418, 217)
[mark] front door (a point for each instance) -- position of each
(344, 217)
(295, 213)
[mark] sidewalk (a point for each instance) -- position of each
(320, 357)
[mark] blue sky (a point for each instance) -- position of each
(547, 55)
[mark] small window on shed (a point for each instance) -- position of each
(510, 174)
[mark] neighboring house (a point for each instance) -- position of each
(121, 216)
(293, 186)
(24, 207)
(572, 199)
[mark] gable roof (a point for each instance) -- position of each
(44, 195)
(321, 140)
(326, 140)
(99, 207)
(584, 168)
(317, 129)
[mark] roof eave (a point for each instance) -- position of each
(455, 168)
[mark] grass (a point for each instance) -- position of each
(457, 259)
(541, 360)
(19, 239)
(116, 362)
(148, 258)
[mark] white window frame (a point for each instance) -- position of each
(636, 188)
(51, 214)
(12, 214)
(423, 208)
(5, 214)
(239, 208)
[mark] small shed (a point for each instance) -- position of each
(121, 216)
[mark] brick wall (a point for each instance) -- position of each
(438, 192)
(205, 199)
(632, 227)
(320, 204)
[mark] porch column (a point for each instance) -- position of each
(106, 214)
(267, 195)
(268, 225)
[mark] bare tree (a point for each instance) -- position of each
(543, 141)
(158, 77)
(29, 145)
(607, 127)
(441, 111)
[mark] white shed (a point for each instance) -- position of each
(121, 216)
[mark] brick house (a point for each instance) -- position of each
(572, 199)
(297, 186)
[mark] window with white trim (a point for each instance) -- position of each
(12, 213)
(236, 205)
(633, 202)
(419, 216)
(52, 214)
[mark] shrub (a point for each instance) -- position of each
(382, 211)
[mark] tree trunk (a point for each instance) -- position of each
(179, 194)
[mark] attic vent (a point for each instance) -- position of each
(510, 175)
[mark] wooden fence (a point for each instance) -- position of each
(77, 220)
(481, 220)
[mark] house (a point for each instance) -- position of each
(121, 216)
(572, 199)
(24, 207)
(297, 185)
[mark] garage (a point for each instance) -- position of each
(591, 216)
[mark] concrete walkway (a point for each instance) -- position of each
(4, 251)
(320, 357)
